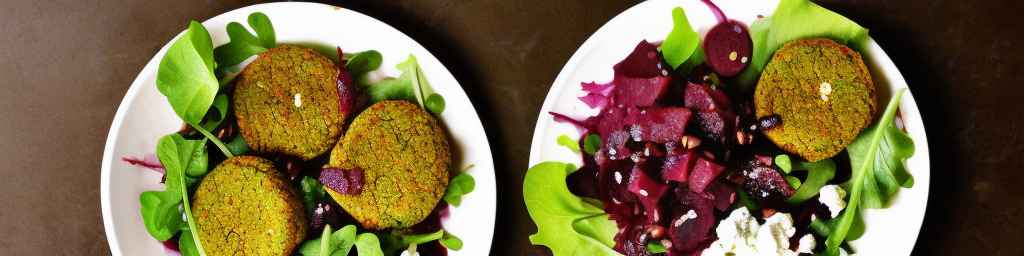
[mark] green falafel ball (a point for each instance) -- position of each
(245, 206)
(405, 158)
(286, 101)
(823, 93)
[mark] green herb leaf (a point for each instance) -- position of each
(818, 175)
(217, 114)
(412, 85)
(264, 29)
(459, 186)
(682, 42)
(422, 238)
(160, 213)
(367, 244)
(566, 224)
(237, 146)
(363, 62)
(876, 156)
(186, 75)
(312, 191)
(244, 44)
(655, 248)
(451, 242)
(569, 143)
(175, 153)
(199, 162)
(187, 245)
(339, 242)
(792, 20)
(783, 162)
(435, 104)
(793, 181)
(591, 143)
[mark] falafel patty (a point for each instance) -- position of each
(286, 101)
(404, 155)
(823, 93)
(245, 206)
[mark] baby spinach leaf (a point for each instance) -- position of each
(243, 44)
(367, 244)
(818, 175)
(237, 146)
(217, 114)
(175, 153)
(569, 143)
(682, 42)
(199, 162)
(160, 213)
(185, 75)
(876, 157)
(391, 89)
(784, 163)
(459, 186)
(792, 20)
(186, 245)
(339, 242)
(566, 224)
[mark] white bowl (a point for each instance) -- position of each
(144, 116)
(891, 231)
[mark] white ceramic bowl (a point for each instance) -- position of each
(144, 116)
(891, 231)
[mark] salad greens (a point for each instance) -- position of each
(339, 242)
(876, 157)
(569, 143)
(411, 85)
(243, 44)
(682, 43)
(591, 143)
(312, 191)
(186, 76)
(818, 175)
(458, 187)
(363, 62)
(367, 244)
(566, 224)
(792, 20)
(176, 153)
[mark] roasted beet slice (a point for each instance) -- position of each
(705, 98)
(640, 92)
(723, 194)
(704, 172)
(344, 181)
(728, 48)
(643, 62)
(716, 125)
(693, 218)
(764, 183)
(648, 191)
(678, 164)
(598, 95)
(661, 125)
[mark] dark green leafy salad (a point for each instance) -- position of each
(313, 98)
(759, 141)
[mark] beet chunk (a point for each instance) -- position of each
(704, 98)
(648, 191)
(640, 92)
(704, 172)
(661, 125)
(764, 183)
(643, 62)
(693, 218)
(728, 48)
(678, 164)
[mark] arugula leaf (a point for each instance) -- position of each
(876, 156)
(175, 153)
(339, 242)
(367, 244)
(214, 118)
(792, 20)
(185, 75)
(682, 42)
(566, 224)
(459, 186)
(591, 143)
(569, 143)
(187, 245)
(818, 175)
(159, 209)
(243, 44)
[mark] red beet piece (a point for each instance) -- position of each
(723, 195)
(678, 164)
(640, 92)
(661, 125)
(643, 62)
(690, 231)
(346, 87)
(648, 191)
(704, 172)
(716, 125)
(764, 183)
(728, 48)
(704, 98)
(343, 181)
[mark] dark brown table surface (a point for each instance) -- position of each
(67, 64)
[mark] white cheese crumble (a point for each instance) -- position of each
(832, 197)
(682, 219)
(298, 100)
(807, 244)
(740, 234)
(824, 90)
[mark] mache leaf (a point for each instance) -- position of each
(591, 143)
(450, 241)
(339, 242)
(363, 62)
(367, 244)
(186, 76)
(566, 224)
(569, 143)
(160, 213)
(411, 85)
(682, 42)
(792, 20)
(876, 157)
(458, 187)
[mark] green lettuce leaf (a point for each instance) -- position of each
(680, 44)
(792, 20)
(459, 186)
(185, 75)
(876, 157)
(339, 242)
(566, 223)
